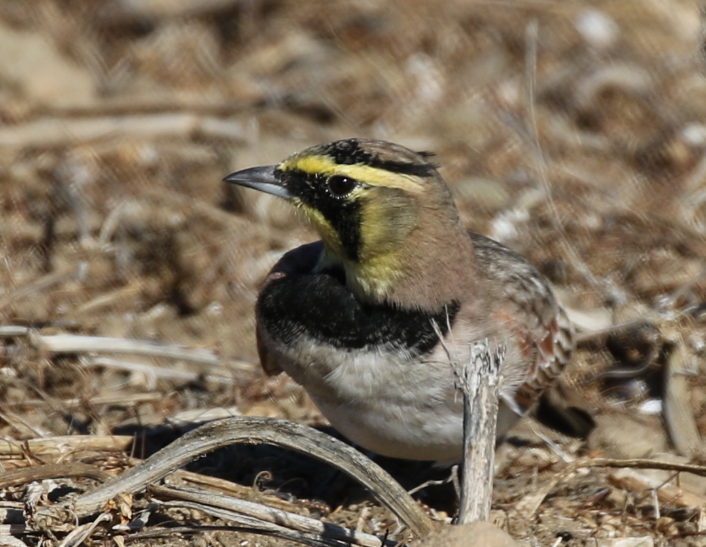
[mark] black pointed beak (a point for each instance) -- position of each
(260, 178)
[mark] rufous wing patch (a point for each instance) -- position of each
(537, 349)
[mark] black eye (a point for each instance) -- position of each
(341, 185)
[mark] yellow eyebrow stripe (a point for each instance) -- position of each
(364, 173)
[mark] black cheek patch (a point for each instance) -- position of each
(345, 217)
(342, 214)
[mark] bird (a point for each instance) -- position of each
(367, 318)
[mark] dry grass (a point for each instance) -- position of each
(573, 133)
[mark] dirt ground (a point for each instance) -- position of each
(573, 132)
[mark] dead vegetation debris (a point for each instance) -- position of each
(573, 132)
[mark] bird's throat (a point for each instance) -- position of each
(372, 279)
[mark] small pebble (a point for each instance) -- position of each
(597, 28)
(475, 534)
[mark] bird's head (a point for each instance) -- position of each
(372, 202)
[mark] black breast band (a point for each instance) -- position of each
(321, 306)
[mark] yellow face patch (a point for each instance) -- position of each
(386, 222)
(384, 226)
(372, 280)
(383, 210)
(372, 176)
(328, 233)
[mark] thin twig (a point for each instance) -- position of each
(640, 483)
(81, 533)
(182, 477)
(116, 398)
(643, 463)
(66, 444)
(250, 526)
(73, 343)
(18, 477)
(268, 514)
(44, 282)
(529, 505)
(156, 371)
(532, 36)
(49, 132)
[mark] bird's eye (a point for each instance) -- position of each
(341, 185)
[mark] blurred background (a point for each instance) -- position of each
(574, 132)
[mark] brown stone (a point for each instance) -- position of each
(475, 534)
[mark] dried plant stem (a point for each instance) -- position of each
(81, 533)
(48, 132)
(206, 501)
(479, 382)
(116, 398)
(257, 430)
(65, 444)
(156, 371)
(480, 386)
(632, 480)
(52, 471)
(643, 463)
(243, 524)
(72, 343)
(44, 282)
(678, 411)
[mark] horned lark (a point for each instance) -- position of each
(355, 317)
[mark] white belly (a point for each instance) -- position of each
(386, 401)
